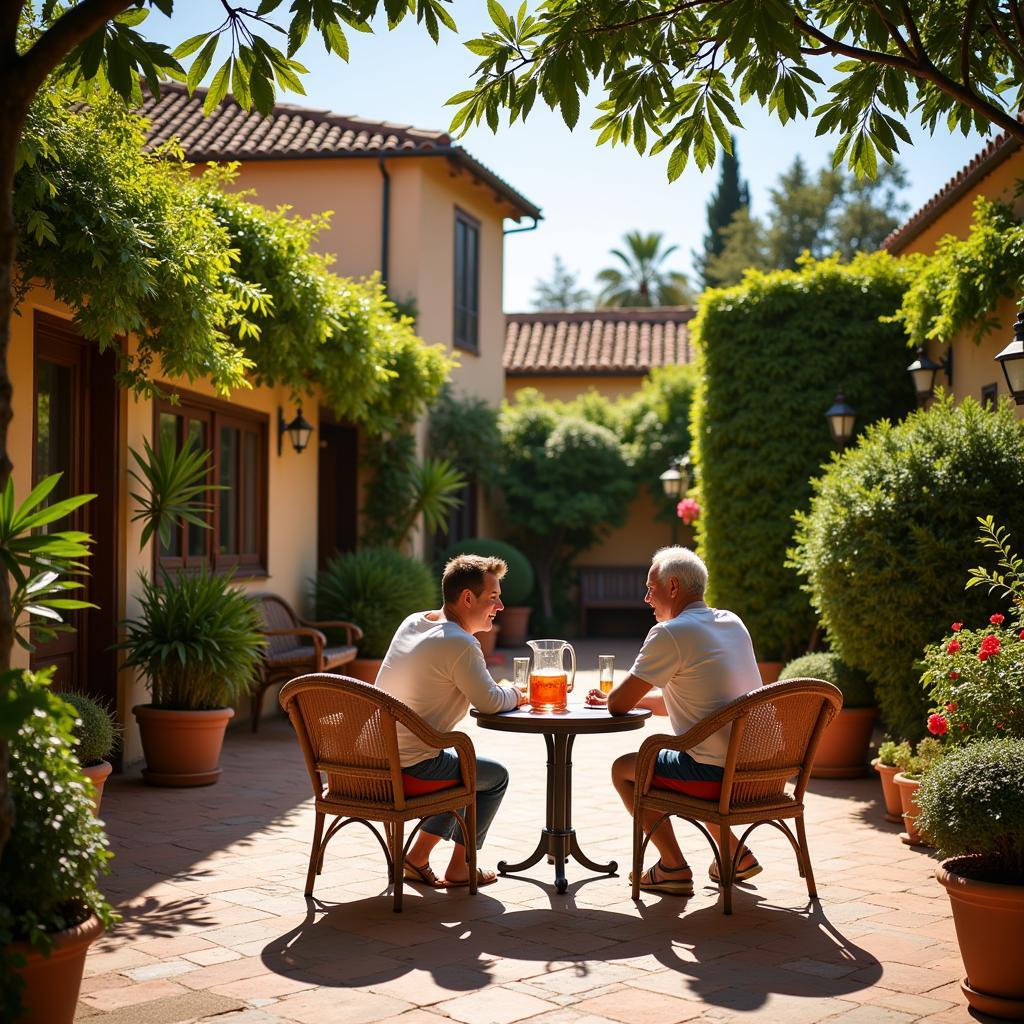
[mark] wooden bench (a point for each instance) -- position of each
(295, 647)
(610, 586)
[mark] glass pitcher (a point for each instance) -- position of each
(549, 683)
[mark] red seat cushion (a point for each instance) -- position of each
(412, 786)
(691, 787)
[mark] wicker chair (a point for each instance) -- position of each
(347, 733)
(296, 645)
(774, 734)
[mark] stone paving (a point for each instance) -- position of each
(216, 927)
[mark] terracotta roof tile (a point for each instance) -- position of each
(292, 132)
(995, 152)
(602, 341)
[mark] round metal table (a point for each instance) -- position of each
(558, 838)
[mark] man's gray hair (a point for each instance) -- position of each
(685, 565)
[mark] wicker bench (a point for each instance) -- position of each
(610, 586)
(296, 646)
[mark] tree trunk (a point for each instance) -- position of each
(13, 107)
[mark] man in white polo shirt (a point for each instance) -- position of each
(436, 667)
(701, 658)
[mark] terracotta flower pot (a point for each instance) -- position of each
(989, 920)
(182, 748)
(363, 669)
(97, 775)
(52, 982)
(843, 750)
(769, 671)
(890, 791)
(514, 622)
(908, 798)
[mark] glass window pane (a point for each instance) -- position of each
(472, 271)
(228, 477)
(198, 538)
(54, 442)
(168, 435)
(250, 478)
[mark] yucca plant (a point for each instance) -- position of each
(196, 640)
(434, 490)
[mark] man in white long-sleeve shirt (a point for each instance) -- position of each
(436, 667)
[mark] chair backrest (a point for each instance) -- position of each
(276, 613)
(775, 734)
(347, 731)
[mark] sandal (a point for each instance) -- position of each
(669, 886)
(484, 876)
(740, 876)
(423, 875)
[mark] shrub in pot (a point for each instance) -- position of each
(912, 768)
(890, 753)
(197, 643)
(972, 807)
(843, 751)
(516, 587)
(51, 906)
(378, 588)
(97, 732)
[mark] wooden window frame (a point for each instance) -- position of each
(216, 415)
(466, 290)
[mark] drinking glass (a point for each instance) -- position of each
(606, 672)
(521, 676)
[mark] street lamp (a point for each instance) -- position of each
(298, 431)
(675, 481)
(840, 418)
(923, 370)
(1012, 360)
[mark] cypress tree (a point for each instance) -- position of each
(729, 197)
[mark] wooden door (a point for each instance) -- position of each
(338, 488)
(75, 433)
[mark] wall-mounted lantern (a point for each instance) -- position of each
(923, 370)
(1011, 359)
(841, 418)
(298, 431)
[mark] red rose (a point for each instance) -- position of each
(963, 725)
(951, 706)
(952, 647)
(990, 644)
(957, 626)
(996, 620)
(999, 725)
(983, 655)
(954, 674)
(937, 725)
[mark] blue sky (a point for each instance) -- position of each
(590, 196)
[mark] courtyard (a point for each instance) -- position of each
(216, 927)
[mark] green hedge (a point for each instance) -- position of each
(855, 685)
(772, 353)
(891, 534)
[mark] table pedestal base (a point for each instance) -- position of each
(558, 838)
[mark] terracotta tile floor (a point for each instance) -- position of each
(216, 928)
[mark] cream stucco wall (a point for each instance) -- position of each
(570, 386)
(974, 364)
(291, 504)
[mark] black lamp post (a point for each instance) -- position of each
(675, 482)
(298, 431)
(923, 370)
(1012, 360)
(841, 418)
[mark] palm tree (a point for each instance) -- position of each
(641, 280)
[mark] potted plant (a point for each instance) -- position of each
(378, 588)
(51, 906)
(912, 767)
(972, 807)
(890, 755)
(197, 643)
(843, 750)
(97, 732)
(516, 587)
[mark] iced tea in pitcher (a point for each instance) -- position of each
(550, 684)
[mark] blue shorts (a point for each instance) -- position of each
(678, 765)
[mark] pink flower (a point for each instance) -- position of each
(688, 510)
(937, 725)
(952, 647)
(957, 626)
(996, 620)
